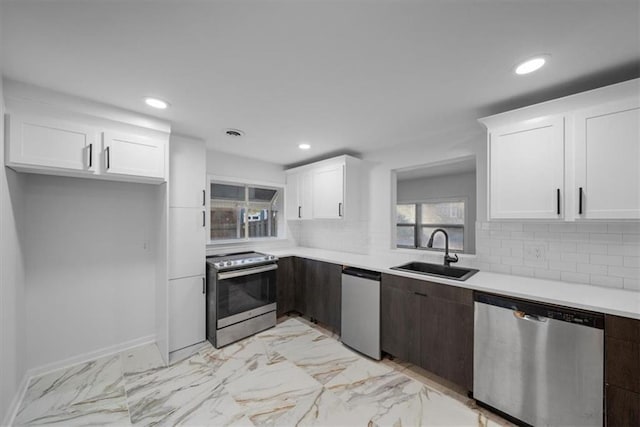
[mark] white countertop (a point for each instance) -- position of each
(594, 298)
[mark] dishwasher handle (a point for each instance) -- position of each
(359, 272)
(530, 317)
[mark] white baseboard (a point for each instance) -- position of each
(67, 363)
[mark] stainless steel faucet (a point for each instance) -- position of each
(447, 259)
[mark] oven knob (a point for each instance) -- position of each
(229, 263)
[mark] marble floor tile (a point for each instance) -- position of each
(88, 393)
(291, 375)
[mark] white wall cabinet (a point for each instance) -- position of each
(189, 173)
(526, 162)
(187, 242)
(574, 158)
(329, 189)
(299, 196)
(187, 305)
(133, 155)
(51, 144)
(607, 150)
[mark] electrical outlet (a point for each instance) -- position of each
(535, 252)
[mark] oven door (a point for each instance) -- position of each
(245, 293)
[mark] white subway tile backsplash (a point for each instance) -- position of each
(517, 244)
(624, 272)
(605, 259)
(624, 250)
(522, 271)
(605, 237)
(546, 274)
(608, 281)
(631, 238)
(563, 228)
(501, 251)
(523, 235)
(562, 265)
(500, 268)
(574, 277)
(575, 237)
(562, 247)
(511, 226)
(624, 227)
(545, 235)
(592, 227)
(632, 284)
(517, 252)
(535, 227)
(591, 248)
(631, 261)
(574, 257)
(510, 260)
(592, 269)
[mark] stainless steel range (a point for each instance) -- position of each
(241, 296)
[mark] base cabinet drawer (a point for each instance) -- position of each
(622, 407)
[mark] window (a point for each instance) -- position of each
(240, 211)
(416, 221)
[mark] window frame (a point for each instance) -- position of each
(418, 225)
(246, 204)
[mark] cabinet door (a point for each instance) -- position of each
(300, 297)
(328, 192)
(187, 305)
(188, 173)
(133, 155)
(285, 286)
(446, 338)
(399, 321)
(51, 144)
(608, 161)
(293, 207)
(322, 292)
(187, 242)
(526, 170)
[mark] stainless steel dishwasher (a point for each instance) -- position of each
(360, 328)
(543, 365)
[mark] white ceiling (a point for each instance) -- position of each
(345, 76)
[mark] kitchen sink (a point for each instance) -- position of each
(438, 270)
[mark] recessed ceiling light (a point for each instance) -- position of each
(531, 64)
(304, 146)
(156, 103)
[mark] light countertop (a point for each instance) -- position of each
(587, 297)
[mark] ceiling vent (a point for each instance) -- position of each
(234, 132)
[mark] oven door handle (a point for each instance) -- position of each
(247, 271)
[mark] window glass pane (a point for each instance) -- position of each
(227, 192)
(405, 236)
(456, 238)
(226, 222)
(257, 194)
(261, 221)
(406, 214)
(443, 213)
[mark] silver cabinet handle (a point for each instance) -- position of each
(299, 211)
(90, 155)
(204, 198)
(108, 153)
(340, 209)
(204, 220)
(204, 286)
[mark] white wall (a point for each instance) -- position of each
(233, 166)
(90, 266)
(442, 187)
(12, 303)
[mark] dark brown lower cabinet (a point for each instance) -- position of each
(622, 371)
(285, 286)
(320, 284)
(430, 325)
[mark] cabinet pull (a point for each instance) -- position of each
(204, 286)
(558, 200)
(299, 211)
(204, 223)
(580, 201)
(421, 294)
(204, 198)
(90, 155)
(340, 209)
(108, 153)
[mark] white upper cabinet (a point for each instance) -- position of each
(133, 155)
(50, 144)
(607, 147)
(526, 177)
(328, 191)
(188, 173)
(573, 158)
(298, 196)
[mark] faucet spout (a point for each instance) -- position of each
(447, 259)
